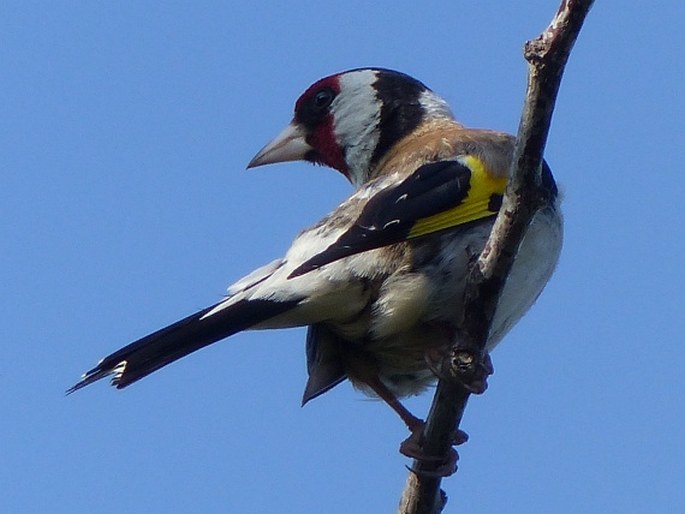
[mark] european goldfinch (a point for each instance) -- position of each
(380, 280)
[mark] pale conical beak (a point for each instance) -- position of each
(289, 145)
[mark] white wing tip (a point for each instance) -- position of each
(118, 371)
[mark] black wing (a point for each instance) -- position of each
(436, 196)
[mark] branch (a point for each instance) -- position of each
(547, 56)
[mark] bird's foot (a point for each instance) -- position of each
(446, 468)
(470, 368)
(442, 466)
(438, 466)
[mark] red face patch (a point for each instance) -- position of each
(327, 149)
(312, 111)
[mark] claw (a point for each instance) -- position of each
(459, 437)
(444, 465)
(447, 468)
(464, 367)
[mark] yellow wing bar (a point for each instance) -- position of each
(478, 203)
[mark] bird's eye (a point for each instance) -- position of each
(323, 98)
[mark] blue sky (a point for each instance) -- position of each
(125, 128)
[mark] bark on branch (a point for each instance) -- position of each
(546, 56)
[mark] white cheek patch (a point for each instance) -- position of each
(356, 115)
(434, 106)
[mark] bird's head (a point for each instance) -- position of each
(349, 121)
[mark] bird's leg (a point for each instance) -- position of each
(412, 446)
(413, 423)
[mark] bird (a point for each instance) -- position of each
(379, 281)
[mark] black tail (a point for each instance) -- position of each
(160, 348)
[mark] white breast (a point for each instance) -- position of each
(535, 262)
